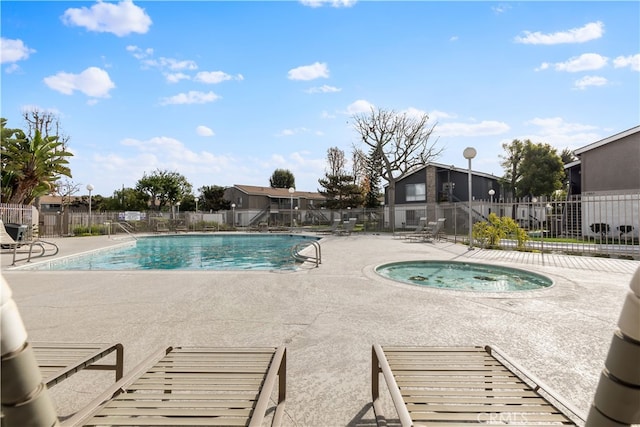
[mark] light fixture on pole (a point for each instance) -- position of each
(196, 199)
(469, 153)
(491, 193)
(291, 191)
(178, 205)
(90, 189)
(233, 214)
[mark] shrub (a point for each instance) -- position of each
(490, 233)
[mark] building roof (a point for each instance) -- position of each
(441, 166)
(607, 140)
(277, 192)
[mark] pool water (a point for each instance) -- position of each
(463, 276)
(191, 252)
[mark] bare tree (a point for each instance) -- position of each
(402, 142)
(359, 166)
(335, 161)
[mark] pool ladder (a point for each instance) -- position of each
(295, 252)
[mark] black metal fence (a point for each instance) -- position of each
(594, 224)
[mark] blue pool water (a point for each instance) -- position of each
(463, 276)
(191, 252)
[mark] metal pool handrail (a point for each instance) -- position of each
(295, 252)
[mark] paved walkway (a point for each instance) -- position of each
(328, 317)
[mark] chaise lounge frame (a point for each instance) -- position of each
(58, 361)
(455, 386)
(194, 386)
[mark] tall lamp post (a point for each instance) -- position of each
(90, 189)
(469, 153)
(491, 193)
(196, 199)
(233, 214)
(291, 191)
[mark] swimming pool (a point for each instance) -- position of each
(190, 252)
(463, 276)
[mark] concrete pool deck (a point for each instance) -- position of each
(328, 318)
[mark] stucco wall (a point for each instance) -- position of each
(612, 167)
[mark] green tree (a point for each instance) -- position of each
(282, 178)
(371, 184)
(402, 142)
(341, 192)
(512, 164)
(33, 162)
(164, 187)
(532, 169)
(542, 171)
(340, 188)
(212, 199)
(126, 199)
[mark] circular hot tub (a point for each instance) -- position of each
(463, 276)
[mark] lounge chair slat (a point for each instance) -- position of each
(156, 421)
(464, 408)
(487, 415)
(198, 387)
(187, 386)
(139, 398)
(464, 398)
(460, 385)
(171, 411)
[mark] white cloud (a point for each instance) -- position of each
(453, 38)
(502, 8)
(291, 132)
(484, 128)
(11, 68)
(204, 131)
(214, 77)
(93, 82)
(584, 62)
(332, 3)
(13, 50)
(176, 77)
(191, 97)
(437, 115)
(309, 72)
(414, 113)
(139, 53)
(591, 31)
(557, 125)
(632, 61)
(359, 106)
(120, 19)
(561, 134)
(587, 81)
(170, 64)
(323, 89)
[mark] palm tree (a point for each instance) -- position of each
(31, 166)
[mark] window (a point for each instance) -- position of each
(416, 192)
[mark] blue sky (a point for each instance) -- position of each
(226, 92)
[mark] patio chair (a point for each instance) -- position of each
(8, 242)
(329, 230)
(194, 386)
(162, 227)
(430, 232)
(460, 385)
(58, 360)
(347, 228)
(422, 223)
